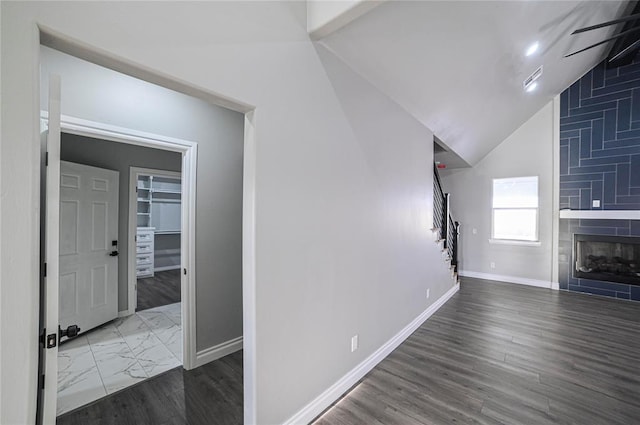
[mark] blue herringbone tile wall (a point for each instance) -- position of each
(599, 160)
(600, 140)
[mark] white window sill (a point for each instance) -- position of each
(514, 242)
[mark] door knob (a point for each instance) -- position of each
(114, 253)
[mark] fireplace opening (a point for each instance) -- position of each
(608, 258)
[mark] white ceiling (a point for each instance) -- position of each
(458, 66)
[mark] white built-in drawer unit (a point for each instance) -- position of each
(144, 259)
(145, 236)
(144, 251)
(144, 247)
(144, 270)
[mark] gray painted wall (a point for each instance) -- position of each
(343, 187)
(98, 94)
(527, 152)
(118, 157)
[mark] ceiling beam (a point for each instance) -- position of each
(326, 17)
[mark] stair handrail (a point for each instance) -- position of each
(439, 204)
(443, 219)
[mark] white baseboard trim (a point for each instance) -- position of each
(508, 279)
(217, 351)
(555, 286)
(165, 268)
(333, 393)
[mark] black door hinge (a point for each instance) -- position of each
(42, 381)
(44, 270)
(46, 158)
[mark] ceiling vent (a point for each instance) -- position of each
(532, 78)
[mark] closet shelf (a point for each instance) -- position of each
(167, 192)
(159, 208)
(165, 200)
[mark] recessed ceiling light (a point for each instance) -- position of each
(532, 87)
(532, 49)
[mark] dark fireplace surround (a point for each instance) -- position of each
(607, 258)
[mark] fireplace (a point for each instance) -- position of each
(608, 258)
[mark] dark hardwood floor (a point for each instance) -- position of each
(210, 394)
(494, 354)
(508, 354)
(161, 289)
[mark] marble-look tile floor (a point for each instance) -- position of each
(119, 354)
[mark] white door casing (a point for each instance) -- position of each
(189, 152)
(88, 283)
(54, 122)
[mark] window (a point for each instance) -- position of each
(515, 209)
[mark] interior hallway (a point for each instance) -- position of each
(499, 353)
(495, 353)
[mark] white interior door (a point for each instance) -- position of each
(88, 246)
(50, 352)
(80, 275)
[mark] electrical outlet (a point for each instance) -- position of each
(596, 203)
(354, 343)
(428, 292)
(493, 265)
(474, 231)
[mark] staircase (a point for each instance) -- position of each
(445, 228)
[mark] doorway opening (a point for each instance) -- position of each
(125, 346)
(156, 212)
(178, 119)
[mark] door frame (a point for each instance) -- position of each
(131, 240)
(189, 152)
(42, 35)
(50, 272)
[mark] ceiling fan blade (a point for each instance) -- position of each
(606, 24)
(626, 51)
(622, 34)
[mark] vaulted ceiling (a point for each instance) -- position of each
(459, 66)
